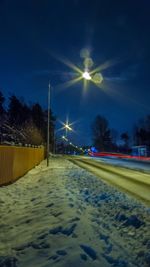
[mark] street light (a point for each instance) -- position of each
(48, 123)
(63, 137)
(86, 75)
(68, 127)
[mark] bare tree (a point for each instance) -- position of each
(101, 134)
(32, 134)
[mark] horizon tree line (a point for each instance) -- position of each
(105, 139)
(21, 123)
(24, 124)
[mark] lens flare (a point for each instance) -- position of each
(107, 64)
(97, 78)
(95, 75)
(88, 62)
(86, 75)
(68, 83)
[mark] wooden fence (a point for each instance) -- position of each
(16, 161)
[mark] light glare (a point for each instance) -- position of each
(68, 127)
(86, 75)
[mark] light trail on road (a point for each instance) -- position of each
(134, 182)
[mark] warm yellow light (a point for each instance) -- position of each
(68, 127)
(86, 75)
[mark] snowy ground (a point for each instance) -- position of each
(64, 216)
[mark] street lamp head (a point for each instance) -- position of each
(86, 75)
(68, 127)
(64, 138)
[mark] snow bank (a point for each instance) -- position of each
(64, 216)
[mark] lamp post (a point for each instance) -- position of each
(67, 128)
(48, 123)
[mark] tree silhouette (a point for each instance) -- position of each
(141, 133)
(15, 111)
(24, 124)
(125, 138)
(2, 116)
(2, 100)
(37, 116)
(32, 134)
(101, 134)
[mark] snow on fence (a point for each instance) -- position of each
(16, 161)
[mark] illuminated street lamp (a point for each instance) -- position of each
(86, 75)
(64, 138)
(68, 127)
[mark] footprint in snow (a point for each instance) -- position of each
(28, 221)
(42, 236)
(53, 257)
(83, 256)
(71, 205)
(108, 249)
(56, 214)
(41, 245)
(61, 252)
(49, 205)
(8, 261)
(33, 199)
(65, 231)
(115, 262)
(23, 246)
(89, 251)
(74, 220)
(105, 238)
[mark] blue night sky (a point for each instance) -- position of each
(33, 32)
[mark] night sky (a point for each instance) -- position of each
(35, 34)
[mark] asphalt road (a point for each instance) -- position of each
(134, 164)
(134, 182)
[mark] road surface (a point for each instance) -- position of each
(139, 165)
(132, 181)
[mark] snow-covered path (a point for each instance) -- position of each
(64, 216)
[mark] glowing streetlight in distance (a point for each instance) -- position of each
(68, 127)
(63, 137)
(86, 75)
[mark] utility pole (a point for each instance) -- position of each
(48, 123)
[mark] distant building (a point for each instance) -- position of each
(141, 151)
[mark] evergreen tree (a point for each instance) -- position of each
(23, 124)
(141, 134)
(15, 111)
(2, 100)
(38, 116)
(125, 138)
(2, 117)
(31, 133)
(101, 134)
